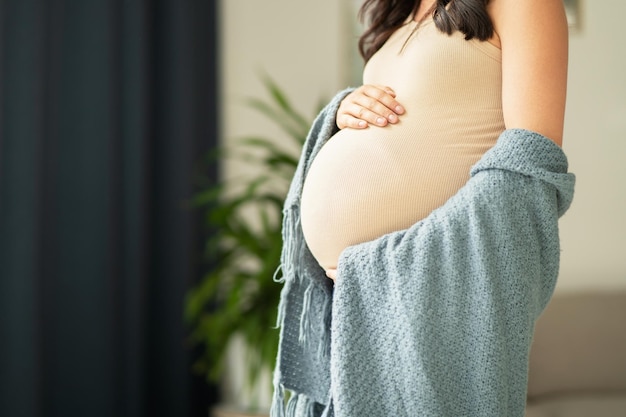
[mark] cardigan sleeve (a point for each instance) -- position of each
(437, 320)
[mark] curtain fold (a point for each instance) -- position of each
(106, 109)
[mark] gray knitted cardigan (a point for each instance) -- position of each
(434, 320)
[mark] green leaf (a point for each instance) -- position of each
(282, 101)
(242, 217)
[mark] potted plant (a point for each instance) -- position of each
(237, 297)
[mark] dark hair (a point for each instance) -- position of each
(385, 16)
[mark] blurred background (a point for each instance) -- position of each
(107, 108)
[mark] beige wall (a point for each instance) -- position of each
(304, 48)
(299, 43)
(593, 232)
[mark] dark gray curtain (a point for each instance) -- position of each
(106, 108)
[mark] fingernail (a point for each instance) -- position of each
(393, 118)
(381, 121)
(362, 123)
(399, 109)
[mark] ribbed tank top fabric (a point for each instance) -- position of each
(366, 183)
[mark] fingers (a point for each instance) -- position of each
(369, 104)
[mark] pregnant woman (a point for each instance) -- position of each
(430, 196)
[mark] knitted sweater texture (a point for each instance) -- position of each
(435, 320)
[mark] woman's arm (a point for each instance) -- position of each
(534, 40)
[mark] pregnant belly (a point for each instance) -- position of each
(362, 185)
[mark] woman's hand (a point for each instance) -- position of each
(369, 104)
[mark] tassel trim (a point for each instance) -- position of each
(292, 271)
(298, 405)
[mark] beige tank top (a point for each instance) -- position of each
(366, 183)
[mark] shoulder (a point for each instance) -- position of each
(532, 18)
